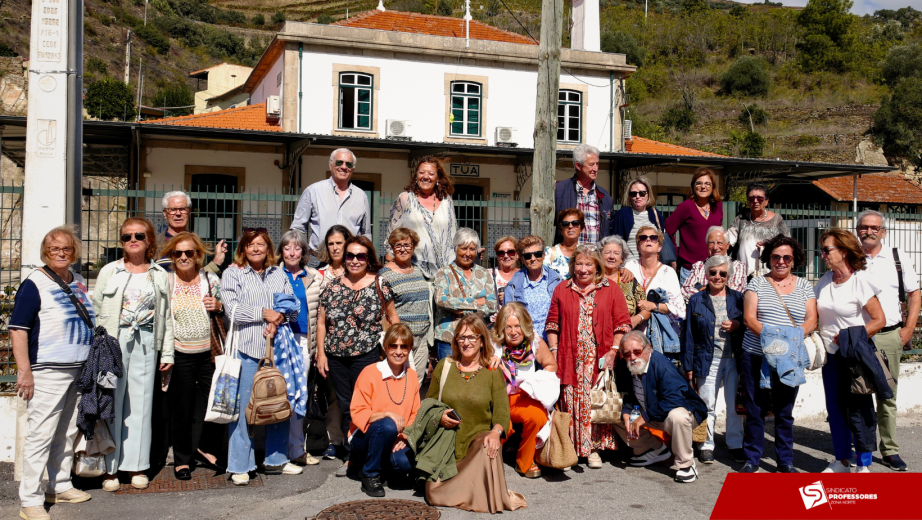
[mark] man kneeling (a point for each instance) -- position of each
(650, 384)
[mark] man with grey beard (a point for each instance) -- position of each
(892, 293)
(650, 384)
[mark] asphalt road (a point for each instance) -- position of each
(610, 492)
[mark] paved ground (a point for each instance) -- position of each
(579, 493)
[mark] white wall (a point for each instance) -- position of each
(268, 85)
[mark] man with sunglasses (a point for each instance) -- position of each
(650, 384)
(333, 201)
(884, 269)
(177, 210)
(582, 192)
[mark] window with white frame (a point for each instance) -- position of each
(466, 109)
(355, 101)
(569, 116)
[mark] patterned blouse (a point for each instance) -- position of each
(411, 297)
(191, 323)
(353, 318)
(436, 231)
(633, 293)
(556, 260)
(138, 302)
(449, 296)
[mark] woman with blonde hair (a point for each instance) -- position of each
(522, 352)
(133, 304)
(637, 210)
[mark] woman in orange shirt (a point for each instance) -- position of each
(383, 404)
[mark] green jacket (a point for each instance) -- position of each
(433, 445)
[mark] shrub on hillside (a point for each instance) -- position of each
(739, 10)
(897, 122)
(904, 61)
(96, 66)
(829, 36)
(230, 17)
(680, 117)
(695, 6)
(746, 144)
(623, 43)
(258, 20)
(445, 8)
(177, 94)
(754, 113)
(807, 141)
(747, 76)
(221, 43)
(325, 19)
(154, 38)
(7, 52)
(278, 18)
(109, 99)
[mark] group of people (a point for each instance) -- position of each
(501, 348)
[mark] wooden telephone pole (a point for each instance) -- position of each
(544, 164)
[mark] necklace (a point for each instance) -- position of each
(840, 280)
(404, 270)
(333, 271)
(465, 375)
(404, 391)
(705, 212)
(763, 218)
(790, 280)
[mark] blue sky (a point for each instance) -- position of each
(862, 6)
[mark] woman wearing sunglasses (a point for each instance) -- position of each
(571, 223)
(770, 304)
(385, 402)
(712, 335)
(507, 263)
(637, 210)
(751, 230)
(194, 294)
(131, 298)
(349, 324)
(662, 299)
(534, 284)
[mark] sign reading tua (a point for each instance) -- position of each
(465, 170)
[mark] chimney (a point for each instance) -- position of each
(586, 34)
(380, 5)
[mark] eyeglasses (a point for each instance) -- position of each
(756, 198)
(632, 194)
(255, 230)
(394, 346)
(715, 272)
(703, 184)
(533, 254)
(875, 229)
(403, 247)
(506, 252)
(825, 250)
(636, 353)
(782, 258)
(174, 211)
(644, 238)
(570, 223)
(177, 254)
(59, 250)
(339, 162)
(468, 339)
(140, 237)
(361, 257)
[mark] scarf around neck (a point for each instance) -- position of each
(524, 355)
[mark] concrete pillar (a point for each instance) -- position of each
(586, 34)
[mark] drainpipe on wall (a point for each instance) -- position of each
(300, 56)
(855, 194)
(611, 110)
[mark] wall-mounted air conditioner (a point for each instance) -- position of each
(273, 107)
(507, 136)
(399, 129)
(628, 124)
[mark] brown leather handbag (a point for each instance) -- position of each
(269, 399)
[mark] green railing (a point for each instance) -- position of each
(10, 241)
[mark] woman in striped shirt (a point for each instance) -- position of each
(247, 289)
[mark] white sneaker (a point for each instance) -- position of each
(140, 481)
(853, 461)
(837, 467)
(292, 469)
(111, 484)
(652, 456)
(240, 479)
(594, 461)
(863, 469)
(686, 475)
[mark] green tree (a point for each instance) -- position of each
(7, 52)
(623, 43)
(898, 120)
(739, 10)
(903, 61)
(154, 38)
(109, 99)
(177, 94)
(695, 6)
(96, 66)
(754, 114)
(259, 19)
(748, 76)
(679, 117)
(445, 8)
(278, 18)
(829, 38)
(325, 19)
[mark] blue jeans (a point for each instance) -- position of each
(374, 448)
(756, 402)
(442, 349)
(851, 416)
(240, 456)
(722, 373)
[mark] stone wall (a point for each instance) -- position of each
(14, 86)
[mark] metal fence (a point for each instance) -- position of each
(223, 214)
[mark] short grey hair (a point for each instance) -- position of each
(717, 261)
(617, 240)
(355, 160)
(173, 195)
(299, 239)
(582, 151)
(636, 335)
(715, 229)
(466, 236)
(871, 213)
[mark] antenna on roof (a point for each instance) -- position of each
(467, 23)
(381, 5)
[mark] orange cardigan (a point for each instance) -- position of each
(371, 395)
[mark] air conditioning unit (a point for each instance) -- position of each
(628, 124)
(507, 136)
(399, 129)
(273, 107)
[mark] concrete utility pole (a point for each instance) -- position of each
(128, 57)
(544, 164)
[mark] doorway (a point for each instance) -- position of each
(214, 216)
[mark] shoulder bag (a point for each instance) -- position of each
(813, 342)
(223, 405)
(479, 313)
(558, 451)
(604, 401)
(667, 254)
(269, 399)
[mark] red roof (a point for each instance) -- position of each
(886, 188)
(642, 145)
(252, 117)
(432, 25)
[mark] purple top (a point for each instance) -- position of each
(694, 228)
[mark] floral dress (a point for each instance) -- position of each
(353, 318)
(556, 260)
(586, 436)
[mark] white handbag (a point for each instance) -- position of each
(605, 401)
(223, 402)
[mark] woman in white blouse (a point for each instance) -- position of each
(652, 274)
(425, 207)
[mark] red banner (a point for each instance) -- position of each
(812, 496)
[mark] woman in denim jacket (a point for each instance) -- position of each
(763, 310)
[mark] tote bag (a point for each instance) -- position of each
(605, 401)
(558, 452)
(223, 407)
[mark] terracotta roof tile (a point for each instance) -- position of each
(252, 117)
(886, 188)
(642, 145)
(432, 25)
